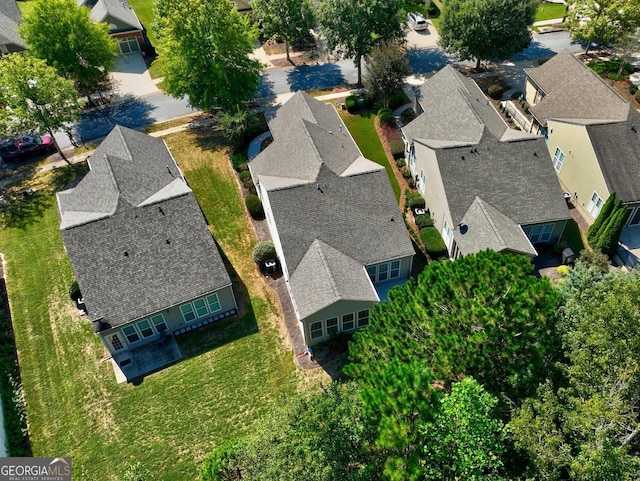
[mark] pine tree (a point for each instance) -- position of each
(608, 239)
(603, 216)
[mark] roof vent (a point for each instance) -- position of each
(633, 127)
(462, 157)
(126, 254)
(319, 188)
(535, 153)
(168, 241)
(161, 211)
(169, 170)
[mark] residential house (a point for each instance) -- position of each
(338, 232)
(124, 25)
(592, 137)
(146, 263)
(243, 6)
(485, 185)
(10, 18)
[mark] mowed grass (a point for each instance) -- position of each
(144, 11)
(549, 11)
(364, 133)
(174, 418)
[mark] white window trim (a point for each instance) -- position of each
(594, 203)
(140, 338)
(447, 234)
(195, 311)
(353, 321)
(558, 159)
(311, 330)
(376, 268)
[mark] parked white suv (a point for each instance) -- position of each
(416, 21)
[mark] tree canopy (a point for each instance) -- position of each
(486, 29)
(35, 97)
(82, 50)
(286, 20)
(602, 21)
(353, 27)
(204, 50)
(387, 67)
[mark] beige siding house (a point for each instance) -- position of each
(338, 232)
(592, 138)
(486, 186)
(146, 264)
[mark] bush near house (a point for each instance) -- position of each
(423, 220)
(386, 118)
(398, 100)
(637, 95)
(244, 176)
(433, 242)
(264, 251)
(416, 200)
(254, 206)
(351, 103)
(495, 91)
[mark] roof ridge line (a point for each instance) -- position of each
(312, 142)
(490, 220)
(325, 264)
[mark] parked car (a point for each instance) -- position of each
(416, 21)
(26, 146)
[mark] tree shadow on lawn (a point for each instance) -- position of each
(311, 77)
(25, 203)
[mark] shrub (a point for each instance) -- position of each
(411, 182)
(244, 175)
(368, 101)
(406, 173)
(240, 161)
(495, 91)
(432, 241)
(424, 220)
(400, 163)
(633, 89)
(637, 96)
(396, 146)
(613, 76)
(263, 251)
(416, 200)
(254, 206)
(594, 258)
(563, 270)
(386, 118)
(397, 100)
(351, 103)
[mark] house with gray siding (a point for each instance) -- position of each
(486, 186)
(145, 261)
(10, 18)
(334, 220)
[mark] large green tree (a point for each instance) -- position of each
(286, 20)
(484, 315)
(588, 426)
(61, 33)
(353, 27)
(34, 97)
(387, 67)
(602, 21)
(204, 50)
(322, 437)
(486, 29)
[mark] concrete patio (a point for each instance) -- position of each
(143, 360)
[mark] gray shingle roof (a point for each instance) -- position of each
(119, 9)
(509, 171)
(490, 229)
(327, 200)
(136, 237)
(617, 147)
(10, 18)
(574, 92)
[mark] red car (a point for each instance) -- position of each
(26, 146)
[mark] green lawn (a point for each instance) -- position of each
(144, 11)
(549, 11)
(573, 236)
(174, 418)
(365, 135)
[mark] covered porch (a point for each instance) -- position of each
(383, 289)
(146, 359)
(629, 250)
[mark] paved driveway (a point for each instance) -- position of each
(131, 78)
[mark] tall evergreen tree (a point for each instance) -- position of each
(610, 233)
(594, 229)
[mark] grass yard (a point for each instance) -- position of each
(549, 11)
(365, 135)
(144, 11)
(174, 418)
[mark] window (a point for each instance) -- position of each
(213, 302)
(539, 95)
(332, 326)
(423, 180)
(187, 312)
(395, 269)
(558, 159)
(634, 217)
(201, 307)
(116, 342)
(371, 270)
(128, 45)
(363, 318)
(131, 334)
(446, 233)
(383, 270)
(347, 322)
(595, 204)
(145, 328)
(158, 323)
(539, 233)
(412, 158)
(316, 329)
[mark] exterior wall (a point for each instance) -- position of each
(10, 48)
(555, 235)
(405, 268)
(116, 24)
(338, 310)
(136, 35)
(172, 317)
(530, 91)
(275, 236)
(242, 5)
(580, 173)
